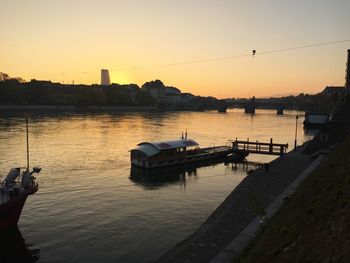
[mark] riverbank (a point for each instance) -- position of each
(58, 108)
(313, 225)
(247, 201)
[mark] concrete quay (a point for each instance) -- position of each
(234, 223)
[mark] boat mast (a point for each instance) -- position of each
(27, 142)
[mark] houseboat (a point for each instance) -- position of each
(166, 153)
(315, 120)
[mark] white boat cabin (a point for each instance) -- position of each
(144, 152)
(149, 149)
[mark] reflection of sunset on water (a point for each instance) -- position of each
(89, 195)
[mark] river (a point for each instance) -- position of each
(90, 208)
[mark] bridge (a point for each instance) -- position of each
(251, 105)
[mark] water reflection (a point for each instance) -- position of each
(311, 132)
(151, 179)
(89, 197)
(13, 248)
(245, 166)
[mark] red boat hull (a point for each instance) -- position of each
(11, 211)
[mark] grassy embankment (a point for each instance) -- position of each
(314, 223)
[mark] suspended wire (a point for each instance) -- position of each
(303, 47)
(208, 60)
(256, 53)
(183, 63)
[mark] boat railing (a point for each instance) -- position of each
(9, 190)
(212, 146)
(15, 185)
(215, 148)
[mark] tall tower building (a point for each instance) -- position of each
(105, 77)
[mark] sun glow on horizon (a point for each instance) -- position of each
(68, 41)
(119, 77)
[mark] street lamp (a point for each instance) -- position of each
(296, 132)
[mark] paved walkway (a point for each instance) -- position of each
(240, 208)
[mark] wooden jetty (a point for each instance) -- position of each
(260, 147)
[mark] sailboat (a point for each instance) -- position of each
(14, 190)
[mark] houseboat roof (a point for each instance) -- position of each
(316, 118)
(152, 148)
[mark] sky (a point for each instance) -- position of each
(179, 42)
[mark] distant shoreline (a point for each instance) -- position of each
(75, 108)
(87, 108)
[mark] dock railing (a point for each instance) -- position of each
(260, 147)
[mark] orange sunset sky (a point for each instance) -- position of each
(143, 40)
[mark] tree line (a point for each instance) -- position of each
(13, 91)
(16, 91)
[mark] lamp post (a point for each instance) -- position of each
(296, 132)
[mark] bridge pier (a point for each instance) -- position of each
(249, 109)
(279, 111)
(222, 109)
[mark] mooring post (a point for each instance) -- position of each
(296, 132)
(270, 147)
(235, 144)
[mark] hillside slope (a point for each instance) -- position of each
(314, 224)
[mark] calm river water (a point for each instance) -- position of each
(90, 208)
